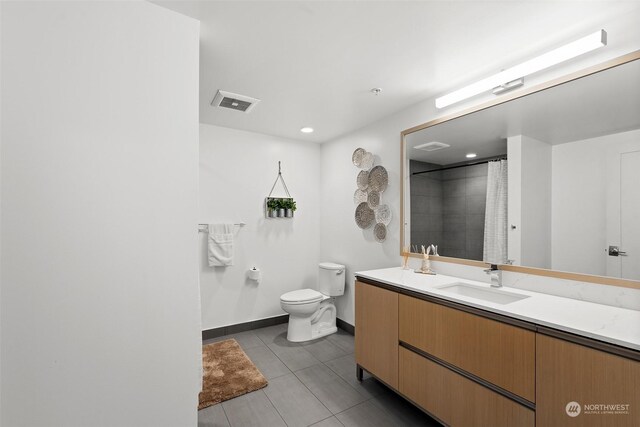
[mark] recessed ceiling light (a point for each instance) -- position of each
(471, 155)
(306, 130)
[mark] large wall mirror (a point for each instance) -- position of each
(548, 179)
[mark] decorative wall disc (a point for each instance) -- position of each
(371, 181)
(378, 179)
(373, 199)
(364, 216)
(383, 214)
(356, 157)
(359, 197)
(367, 161)
(380, 232)
(363, 180)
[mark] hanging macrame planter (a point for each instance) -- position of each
(279, 207)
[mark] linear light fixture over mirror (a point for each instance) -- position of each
(549, 59)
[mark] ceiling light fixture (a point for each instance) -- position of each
(506, 77)
(471, 155)
(306, 130)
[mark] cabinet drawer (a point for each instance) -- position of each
(501, 354)
(455, 399)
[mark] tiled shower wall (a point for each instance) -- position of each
(447, 209)
(426, 204)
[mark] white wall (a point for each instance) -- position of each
(579, 212)
(529, 201)
(237, 171)
(99, 165)
(586, 174)
(1, 133)
(536, 203)
(514, 199)
(340, 237)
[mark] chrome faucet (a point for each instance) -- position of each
(496, 276)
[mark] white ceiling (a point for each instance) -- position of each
(313, 63)
(600, 104)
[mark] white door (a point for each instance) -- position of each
(630, 215)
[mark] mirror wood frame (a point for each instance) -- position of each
(604, 280)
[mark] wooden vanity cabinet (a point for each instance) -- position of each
(387, 321)
(468, 368)
(501, 354)
(376, 334)
(456, 400)
(568, 372)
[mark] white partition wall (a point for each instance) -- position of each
(99, 178)
(529, 201)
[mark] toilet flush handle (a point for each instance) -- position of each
(339, 272)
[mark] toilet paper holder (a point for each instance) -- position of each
(254, 274)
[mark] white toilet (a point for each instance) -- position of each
(312, 314)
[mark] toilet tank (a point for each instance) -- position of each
(331, 279)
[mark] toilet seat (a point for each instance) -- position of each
(302, 296)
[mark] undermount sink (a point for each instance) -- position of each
(497, 296)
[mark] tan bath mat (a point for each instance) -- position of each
(228, 373)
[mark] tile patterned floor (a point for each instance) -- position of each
(310, 384)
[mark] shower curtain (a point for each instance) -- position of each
(495, 218)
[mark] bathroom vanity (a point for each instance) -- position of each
(472, 355)
(520, 358)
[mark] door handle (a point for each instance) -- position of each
(615, 251)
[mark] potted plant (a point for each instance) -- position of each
(289, 206)
(281, 207)
(272, 207)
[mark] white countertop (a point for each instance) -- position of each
(615, 325)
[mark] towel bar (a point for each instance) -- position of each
(204, 228)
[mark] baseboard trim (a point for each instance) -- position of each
(208, 334)
(347, 327)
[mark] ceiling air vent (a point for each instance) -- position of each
(432, 146)
(234, 101)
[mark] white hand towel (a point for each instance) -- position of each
(220, 245)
